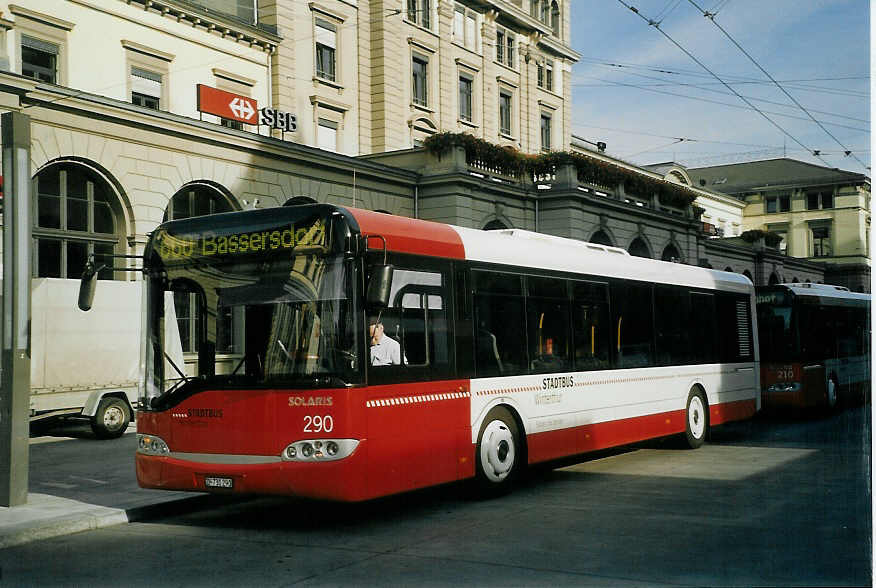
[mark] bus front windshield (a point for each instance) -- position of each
(284, 320)
(777, 332)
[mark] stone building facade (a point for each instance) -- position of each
(822, 214)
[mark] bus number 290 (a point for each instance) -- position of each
(318, 424)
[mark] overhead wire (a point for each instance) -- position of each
(815, 153)
(711, 17)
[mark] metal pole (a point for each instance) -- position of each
(15, 384)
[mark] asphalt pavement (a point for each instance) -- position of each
(78, 483)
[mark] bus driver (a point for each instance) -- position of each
(384, 349)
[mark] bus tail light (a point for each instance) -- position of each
(151, 445)
(319, 450)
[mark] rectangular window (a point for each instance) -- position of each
(146, 88)
(590, 325)
(419, 79)
(416, 322)
(704, 332)
(671, 309)
(465, 101)
(778, 203)
(505, 113)
(500, 45)
(419, 12)
(500, 347)
(471, 32)
(546, 132)
(231, 124)
(817, 200)
(549, 76)
(540, 76)
(509, 53)
(327, 135)
(326, 47)
(39, 60)
(459, 24)
(632, 328)
(548, 328)
(821, 242)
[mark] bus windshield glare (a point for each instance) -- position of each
(267, 305)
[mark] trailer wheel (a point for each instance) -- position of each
(111, 419)
(697, 419)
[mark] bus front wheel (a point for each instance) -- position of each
(499, 452)
(697, 419)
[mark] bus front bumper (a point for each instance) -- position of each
(343, 480)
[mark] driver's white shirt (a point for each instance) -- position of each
(387, 351)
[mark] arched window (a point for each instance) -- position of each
(728, 269)
(197, 199)
(747, 274)
(555, 18)
(774, 279)
(77, 214)
(671, 253)
(796, 280)
(600, 237)
(494, 225)
(639, 248)
(298, 200)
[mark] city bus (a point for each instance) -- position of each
(510, 348)
(814, 345)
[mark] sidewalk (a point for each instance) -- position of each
(78, 483)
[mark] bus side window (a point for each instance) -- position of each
(590, 325)
(547, 306)
(632, 324)
(500, 324)
(703, 328)
(671, 309)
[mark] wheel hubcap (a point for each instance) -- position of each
(696, 417)
(497, 451)
(113, 417)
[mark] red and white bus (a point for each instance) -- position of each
(814, 344)
(516, 348)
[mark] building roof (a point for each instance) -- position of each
(737, 178)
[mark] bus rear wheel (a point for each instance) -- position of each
(111, 419)
(499, 452)
(696, 419)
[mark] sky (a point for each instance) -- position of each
(638, 92)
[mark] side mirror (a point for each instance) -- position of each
(87, 286)
(379, 286)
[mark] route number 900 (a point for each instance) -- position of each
(318, 424)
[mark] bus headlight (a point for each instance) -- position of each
(784, 387)
(151, 445)
(319, 450)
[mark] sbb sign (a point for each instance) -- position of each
(277, 119)
(244, 109)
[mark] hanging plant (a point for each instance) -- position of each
(590, 170)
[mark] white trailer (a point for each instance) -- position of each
(86, 364)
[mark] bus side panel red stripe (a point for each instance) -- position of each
(732, 411)
(409, 235)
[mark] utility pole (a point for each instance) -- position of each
(15, 328)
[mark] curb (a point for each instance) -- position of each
(46, 517)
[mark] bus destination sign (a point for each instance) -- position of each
(182, 247)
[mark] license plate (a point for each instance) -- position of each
(218, 482)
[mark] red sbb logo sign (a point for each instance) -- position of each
(243, 108)
(228, 105)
